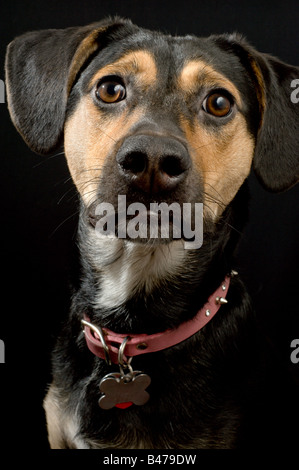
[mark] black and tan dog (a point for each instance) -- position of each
(158, 119)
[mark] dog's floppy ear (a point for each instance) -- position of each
(41, 68)
(276, 160)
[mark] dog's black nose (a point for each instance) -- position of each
(153, 163)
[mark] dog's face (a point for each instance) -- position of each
(154, 117)
(157, 120)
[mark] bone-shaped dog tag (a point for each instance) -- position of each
(123, 390)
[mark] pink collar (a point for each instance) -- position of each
(143, 343)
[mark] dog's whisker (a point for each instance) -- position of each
(46, 159)
(65, 180)
(68, 191)
(213, 199)
(212, 211)
(86, 170)
(76, 213)
(90, 193)
(106, 134)
(202, 146)
(87, 184)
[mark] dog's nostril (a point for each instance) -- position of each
(134, 162)
(172, 165)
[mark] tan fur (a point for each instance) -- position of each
(63, 426)
(89, 138)
(86, 48)
(141, 64)
(197, 73)
(64, 432)
(224, 161)
(260, 88)
(54, 419)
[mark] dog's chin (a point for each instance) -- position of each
(163, 236)
(149, 228)
(152, 233)
(152, 242)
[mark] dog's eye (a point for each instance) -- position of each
(110, 91)
(217, 104)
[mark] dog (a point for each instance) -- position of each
(161, 348)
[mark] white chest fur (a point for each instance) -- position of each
(124, 267)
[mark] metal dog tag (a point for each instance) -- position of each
(123, 390)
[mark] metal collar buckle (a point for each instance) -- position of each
(98, 330)
(121, 360)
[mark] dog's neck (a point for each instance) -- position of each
(141, 289)
(127, 268)
(145, 288)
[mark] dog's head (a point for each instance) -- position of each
(155, 117)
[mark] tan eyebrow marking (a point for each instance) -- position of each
(87, 47)
(198, 72)
(139, 63)
(260, 88)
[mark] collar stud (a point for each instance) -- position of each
(221, 301)
(142, 346)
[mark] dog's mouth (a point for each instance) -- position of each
(153, 224)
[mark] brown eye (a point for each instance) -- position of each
(110, 91)
(217, 104)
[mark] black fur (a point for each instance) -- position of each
(37, 71)
(207, 391)
(276, 156)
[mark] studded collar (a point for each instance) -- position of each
(106, 344)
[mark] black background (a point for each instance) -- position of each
(39, 205)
